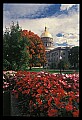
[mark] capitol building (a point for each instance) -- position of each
(53, 55)
(47, 40)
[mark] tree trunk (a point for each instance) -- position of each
(30, 68)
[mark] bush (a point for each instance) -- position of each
(6, 64)
(64, 65)
(44, 94)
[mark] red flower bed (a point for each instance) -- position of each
(44, 94)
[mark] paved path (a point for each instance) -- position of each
(14, 110)
(6, 103)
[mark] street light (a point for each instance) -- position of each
(70, 58)
(60, 63)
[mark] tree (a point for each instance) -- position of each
(36, 49)
(66, 65)
(74, 56)
(15, 54)
(53, 65)
(63, 64)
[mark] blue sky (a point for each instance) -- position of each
(62, 20)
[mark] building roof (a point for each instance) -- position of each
(46, 33)
(59, 48)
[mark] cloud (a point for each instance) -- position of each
(66, 6)
(24, 10)
(61, 44)
(65, 24)
(59, 35)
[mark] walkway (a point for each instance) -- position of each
(14, 110)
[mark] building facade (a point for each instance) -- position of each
(53, 54)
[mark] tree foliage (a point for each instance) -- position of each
(74, 56)
(53, 65)
(64, 64)
(22, 48)
(15, 55)
(36, 49)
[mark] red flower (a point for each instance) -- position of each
(52, 112)
(45, 91)
(49, 101)
(26, 91)
(39, 91)
(49, 85)
(69, 107)
(39, 101)
(76, 113)
(57, 102)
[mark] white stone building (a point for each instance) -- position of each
(53, 54)
(47, 40)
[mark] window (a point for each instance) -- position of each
(46, 43)
(50, 43)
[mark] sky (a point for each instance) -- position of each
(61, 20)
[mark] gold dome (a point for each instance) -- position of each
(46, 34)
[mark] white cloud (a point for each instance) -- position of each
(22, 10)
(66, 6)
(68, 25)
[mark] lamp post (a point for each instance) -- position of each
(70, 60)
(60, 64)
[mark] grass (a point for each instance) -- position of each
(53, 70)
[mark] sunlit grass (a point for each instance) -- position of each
(53, 70)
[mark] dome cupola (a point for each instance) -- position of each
(47, 39)
(46, 33)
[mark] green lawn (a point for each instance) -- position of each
(52, 70)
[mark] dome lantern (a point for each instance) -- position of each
(45, 28)
(47, 39)
(46, 33)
